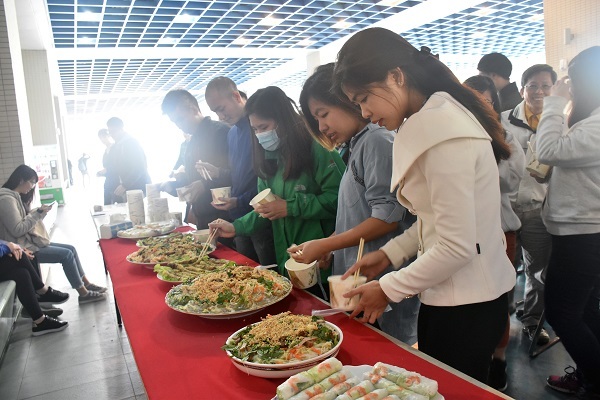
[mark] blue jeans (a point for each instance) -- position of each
(573, 300)
(65, 254)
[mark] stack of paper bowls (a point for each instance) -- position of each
(283, 370)
(135, 205)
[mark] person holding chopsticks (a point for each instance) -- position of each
(366, 207)
(445, 156)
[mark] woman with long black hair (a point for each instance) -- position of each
(571, 213)
(304, 176)
(445, 154)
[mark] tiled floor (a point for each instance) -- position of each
(92, 358)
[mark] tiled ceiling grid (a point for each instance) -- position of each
(514, 27)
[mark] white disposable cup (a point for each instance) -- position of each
(177, 216)
(218, 193)
(152, 190)
(184, 193)
(263, 197)
(201, 236)
(337, 288)
(302, 275)
(538, 169)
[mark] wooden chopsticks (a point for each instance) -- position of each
(207, 243)
(361, 247)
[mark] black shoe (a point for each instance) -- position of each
(53, 297)
(543, 338)
(519, 314)
(48, 325)
(497, 375)
(52, 311)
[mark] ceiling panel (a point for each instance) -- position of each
(513, 27)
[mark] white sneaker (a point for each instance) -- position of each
(92, 296)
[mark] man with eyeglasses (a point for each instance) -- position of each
(522, 122)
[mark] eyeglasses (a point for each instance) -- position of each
(535, 88)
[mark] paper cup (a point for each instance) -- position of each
(184, 193)
(263, 197)
(152, 190)
(302, 275)
(177, 216)
(337, 288)
(201, 236)
(222, 192)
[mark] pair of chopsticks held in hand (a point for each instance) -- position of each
(206, 245)
(203, 171)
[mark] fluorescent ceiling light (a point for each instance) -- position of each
(242, 41)
(86, 40)
(390, 3)
(535, 18)
(484, 12)
(168, 40)
(186, 19)
(89, 16)
(305, 42)
(478, 35)
(270, 21)
(342, 25)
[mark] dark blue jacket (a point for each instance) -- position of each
(4, 250)
(243, 177)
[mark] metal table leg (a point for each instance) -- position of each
(119, 322)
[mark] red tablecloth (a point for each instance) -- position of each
(179, 355)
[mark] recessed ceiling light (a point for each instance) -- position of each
(478, 35)
(535, 18)
(484, 12)
(270, 21)
(242, 41)
(89, 16)
(86, 40)
(186, 19)
(168, 40)
(305, 42)
(390, 3)
(343, 24)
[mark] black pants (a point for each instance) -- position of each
(27, 280)
(464, 337)
(572, 300)
(259, 246)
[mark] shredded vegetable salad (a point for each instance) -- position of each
(181, 251)
(283, 338)
(237, 289)
(176, 272)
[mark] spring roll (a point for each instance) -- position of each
(407, 379)
(294, 385)
(377, 394)
(325, 369)
(316, 389)
(391, 397)
(306, 379)
(338, 389)
(361, 389)
(400, 392)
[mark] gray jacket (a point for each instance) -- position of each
(15, 223)
(365, 192)
(571, 207)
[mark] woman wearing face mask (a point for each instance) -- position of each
(303, 175)
(366, 208)
(445, 171)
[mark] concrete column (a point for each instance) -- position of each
(16, 144)
(563, 18)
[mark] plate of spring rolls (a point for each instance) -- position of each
(282, 345)
(330, 380)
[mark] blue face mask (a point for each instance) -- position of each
(268, 140)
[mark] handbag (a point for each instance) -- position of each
(39, 234)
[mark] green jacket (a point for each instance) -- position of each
(311, 204)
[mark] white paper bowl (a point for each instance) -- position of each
(283, 370)
(201, 236)
(263, 197)
(218, 193)
(302, 275)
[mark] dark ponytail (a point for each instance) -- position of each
(369, 55)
